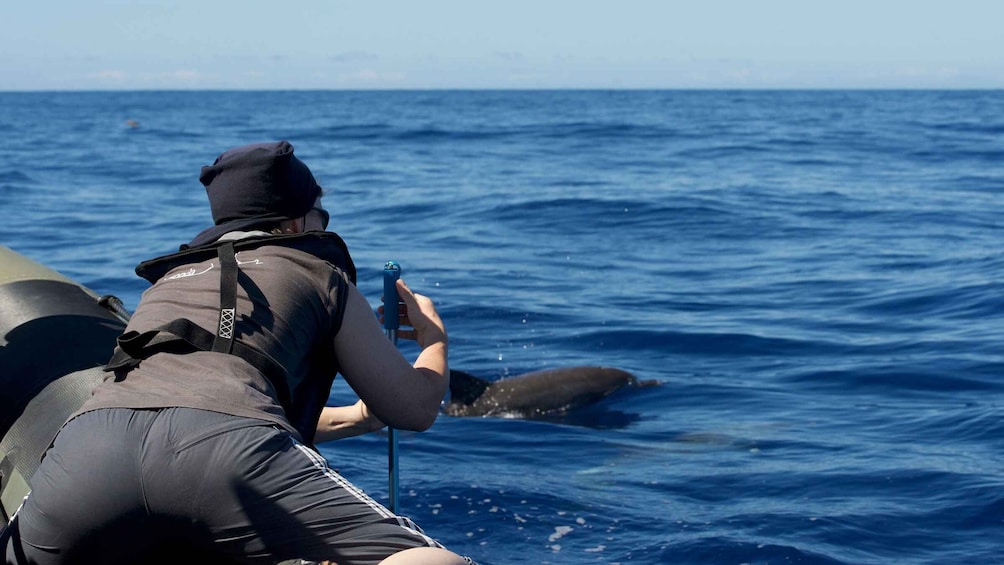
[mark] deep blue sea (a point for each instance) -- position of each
(816, 278)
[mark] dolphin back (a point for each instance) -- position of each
(536, 393)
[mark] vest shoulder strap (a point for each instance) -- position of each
(224, 340)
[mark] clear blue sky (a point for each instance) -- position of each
(334, 44)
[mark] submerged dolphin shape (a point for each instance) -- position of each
(537, 393)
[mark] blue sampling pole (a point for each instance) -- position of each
(391, 273)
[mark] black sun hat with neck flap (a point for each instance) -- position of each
(255, 186)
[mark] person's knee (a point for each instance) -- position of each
(425, 556)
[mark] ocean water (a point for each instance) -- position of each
(815, 279)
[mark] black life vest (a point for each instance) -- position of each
(303, 401)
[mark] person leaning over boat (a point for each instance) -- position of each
(200, 436)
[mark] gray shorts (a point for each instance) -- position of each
(131, 486)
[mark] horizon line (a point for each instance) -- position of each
(531, 89)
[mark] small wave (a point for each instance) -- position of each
(162, 134)
(955, 155)
(725, 151)
(979, 183)
(714, 344)
(577, 132)
(431, 134)
(723, 549)
(967, 127)
(953, 424)
(974, 301)
(912, 377)
(587, 215)
(608, 131)
(347, 132)
(14, 177)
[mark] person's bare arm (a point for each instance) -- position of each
(398, 394)
(337, 422)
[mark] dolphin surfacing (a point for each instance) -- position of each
(536, 393)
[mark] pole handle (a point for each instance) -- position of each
(391, 308)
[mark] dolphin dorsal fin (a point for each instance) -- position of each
(465, 388)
